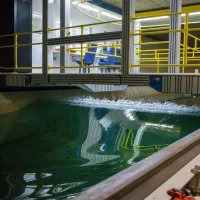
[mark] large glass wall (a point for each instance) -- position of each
(37, 37)
(68, 18)
(97, 57)
(79, 14)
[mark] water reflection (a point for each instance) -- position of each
(51, 150)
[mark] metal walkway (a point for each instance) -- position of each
(165, 83)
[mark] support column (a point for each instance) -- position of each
(68, 7)
(62, 34)
(15, 16)
(45, 37)
(125, 36)
(175, 37)
(134, 28)
(23, 19)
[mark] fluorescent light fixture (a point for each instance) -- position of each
(153, 18)
(111, 16)
(37, 15)
(194, 13)
(165, 17)
(58, 21)
(159, 125)
(190, 14)
(51, 1)
(86, 6)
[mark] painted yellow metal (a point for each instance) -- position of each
(154, 54)
(186, 41)
(16, 51)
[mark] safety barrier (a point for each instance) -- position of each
(157, 56)
(154, 57)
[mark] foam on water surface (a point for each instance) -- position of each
(135, 105)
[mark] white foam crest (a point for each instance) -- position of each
(135, 105)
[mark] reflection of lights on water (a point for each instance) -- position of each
(60, 188)
(102, 148)
(105, 122)
(29, 190)
(45, 175)
(28, 177)
(140, 106)
(129, 114)
(44, 192)
(160, 125)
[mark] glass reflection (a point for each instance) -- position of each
(55, 151)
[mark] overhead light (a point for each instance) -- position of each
(51, 1)
(86, 6)
(37, 15)
(111, 16)
(190, 14)
(195, 13)
(58, 21)
(153, 18)
(165, 17)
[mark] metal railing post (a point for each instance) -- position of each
(16, 51)
(82, 32)
(45, 38)
(125, 36)
(186, 41)
(62, 34)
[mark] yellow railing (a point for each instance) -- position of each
(16, 45)
(156, 56)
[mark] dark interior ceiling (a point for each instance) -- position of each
(145, 5)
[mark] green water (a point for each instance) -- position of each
(53, 150)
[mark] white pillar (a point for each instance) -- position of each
(175, 37)
(52, 23)
(134, 27)
(137, 46)
(68, 22)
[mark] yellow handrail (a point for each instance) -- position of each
(189, 53)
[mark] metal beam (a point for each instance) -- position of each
(62, 35)
(86, 38)
(142, 80)
(125, 36)
(45, 37)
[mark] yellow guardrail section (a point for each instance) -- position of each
(151, 54)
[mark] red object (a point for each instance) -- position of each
(178, 195)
